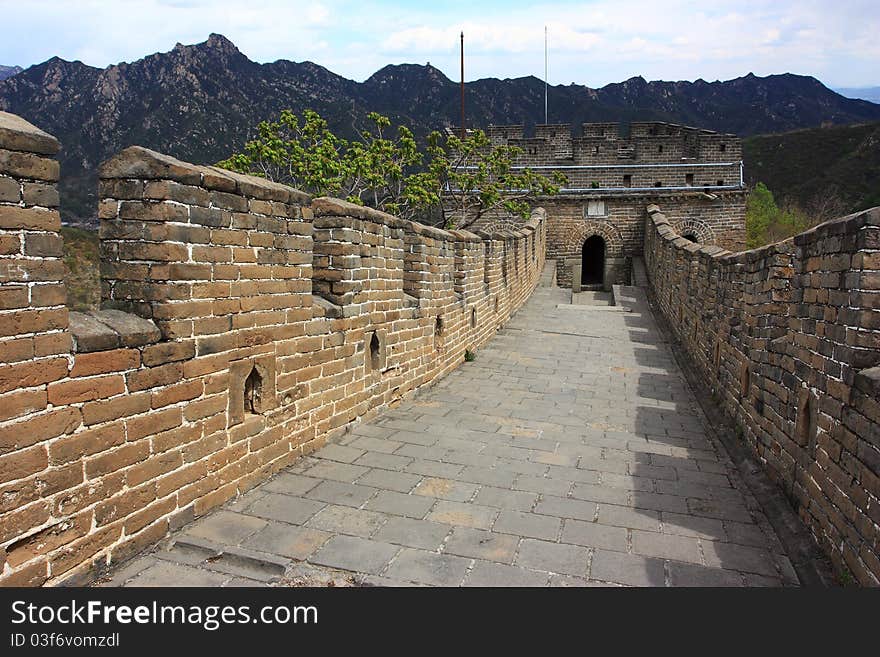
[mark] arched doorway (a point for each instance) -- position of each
(593, 261)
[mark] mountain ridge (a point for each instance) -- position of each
(9, 71)
(201, 102)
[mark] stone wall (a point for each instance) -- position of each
(788, 338)
(243, 323)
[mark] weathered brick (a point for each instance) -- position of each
(151, 211)
(46, 540)
(103, 362)
(177, 393)
(23, 463)
(151, 377)
(33, 321)
(21, 402)
(117, 459)
(32, 575)
(81, 390)
(166, 352)
(30, 374)
(153, 423)
(87, 442)
(13, 217)
(43, 244)
(28, 165)
(37, 428)
(111, 409)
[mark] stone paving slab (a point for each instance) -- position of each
(571, 452)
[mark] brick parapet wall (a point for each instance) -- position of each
(265, 322)
(647, 143)
(788, 337)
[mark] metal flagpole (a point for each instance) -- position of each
(546, 119)
(462, 86)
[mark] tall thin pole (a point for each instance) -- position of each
(546, 115)
(462, 86)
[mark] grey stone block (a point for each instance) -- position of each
(629, 569)
(506, 499)
(384, 461)
(544, 485)
(666, 546)
(341, 453)
(413, 533)
(553, 557)
(522, 523)
(446, 489)
(495, 574)
(731, 556)
(481, 544)
(166, 574)
(290, 484)
(599, 493)
(428, 568)
(287, 540)
(591, 534)
(500, 478)
(339, 492)
(401, 504)
(686, 574)
(463, 514)
(382, 445)
(336, 471)
(345, 520)
(434, 469)
(286, 508)
(225, 527)
(387, 479)
(355, 554)
(566, 508)
(619, 516)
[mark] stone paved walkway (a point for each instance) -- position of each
(569, 453)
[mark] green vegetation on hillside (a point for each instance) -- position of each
(766, 222)
(828, 171)
(81, 262)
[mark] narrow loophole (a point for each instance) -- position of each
(253, 386)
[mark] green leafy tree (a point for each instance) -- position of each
(306, 154)
(464, 179)
(467, 179)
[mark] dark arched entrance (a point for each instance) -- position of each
(593, 261)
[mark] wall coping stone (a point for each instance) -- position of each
(142, 163)
(16, 134)
(100, 330)
(327, 206)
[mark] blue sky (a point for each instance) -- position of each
(593, 43)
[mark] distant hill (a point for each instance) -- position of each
(9, 71)
(201, 102)
(805, 165)
(871, 94)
